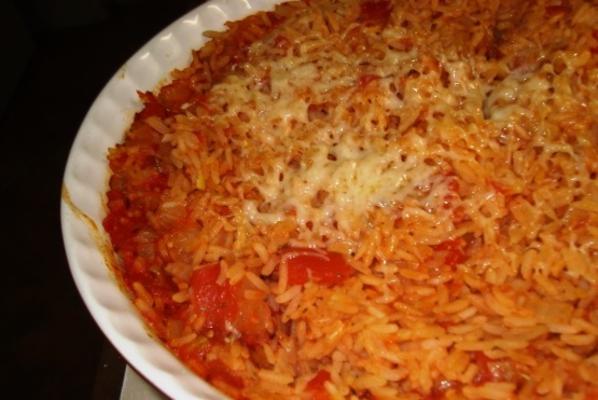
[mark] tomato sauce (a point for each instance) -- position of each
(315, 387)
(441, 387)
(490, 370)
(213, 370)
(217, 371)
(454, 251)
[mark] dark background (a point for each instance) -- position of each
(56, 56)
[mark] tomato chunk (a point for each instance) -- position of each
(224, 306)
(175, 94)
(316, 386)
(151, 106)
(217, 303)
(327, 268)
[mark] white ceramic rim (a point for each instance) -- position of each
(85, 180)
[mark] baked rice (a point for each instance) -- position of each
(373, 199)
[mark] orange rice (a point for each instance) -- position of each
(373, 200)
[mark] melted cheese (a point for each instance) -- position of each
(326, 190)
(330, 170)
(346, 165)
(328, 137)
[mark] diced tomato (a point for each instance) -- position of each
(175, 94)
(375, 11)
(327, 268)
(217, 303)
(151, 106)
(316, 388)
(454, 251)
(298, 274)
(224, 303)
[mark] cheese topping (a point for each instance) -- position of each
(341, 134)
(333, 134)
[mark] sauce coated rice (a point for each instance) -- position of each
(373, 200)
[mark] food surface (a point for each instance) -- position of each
(373, 200)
